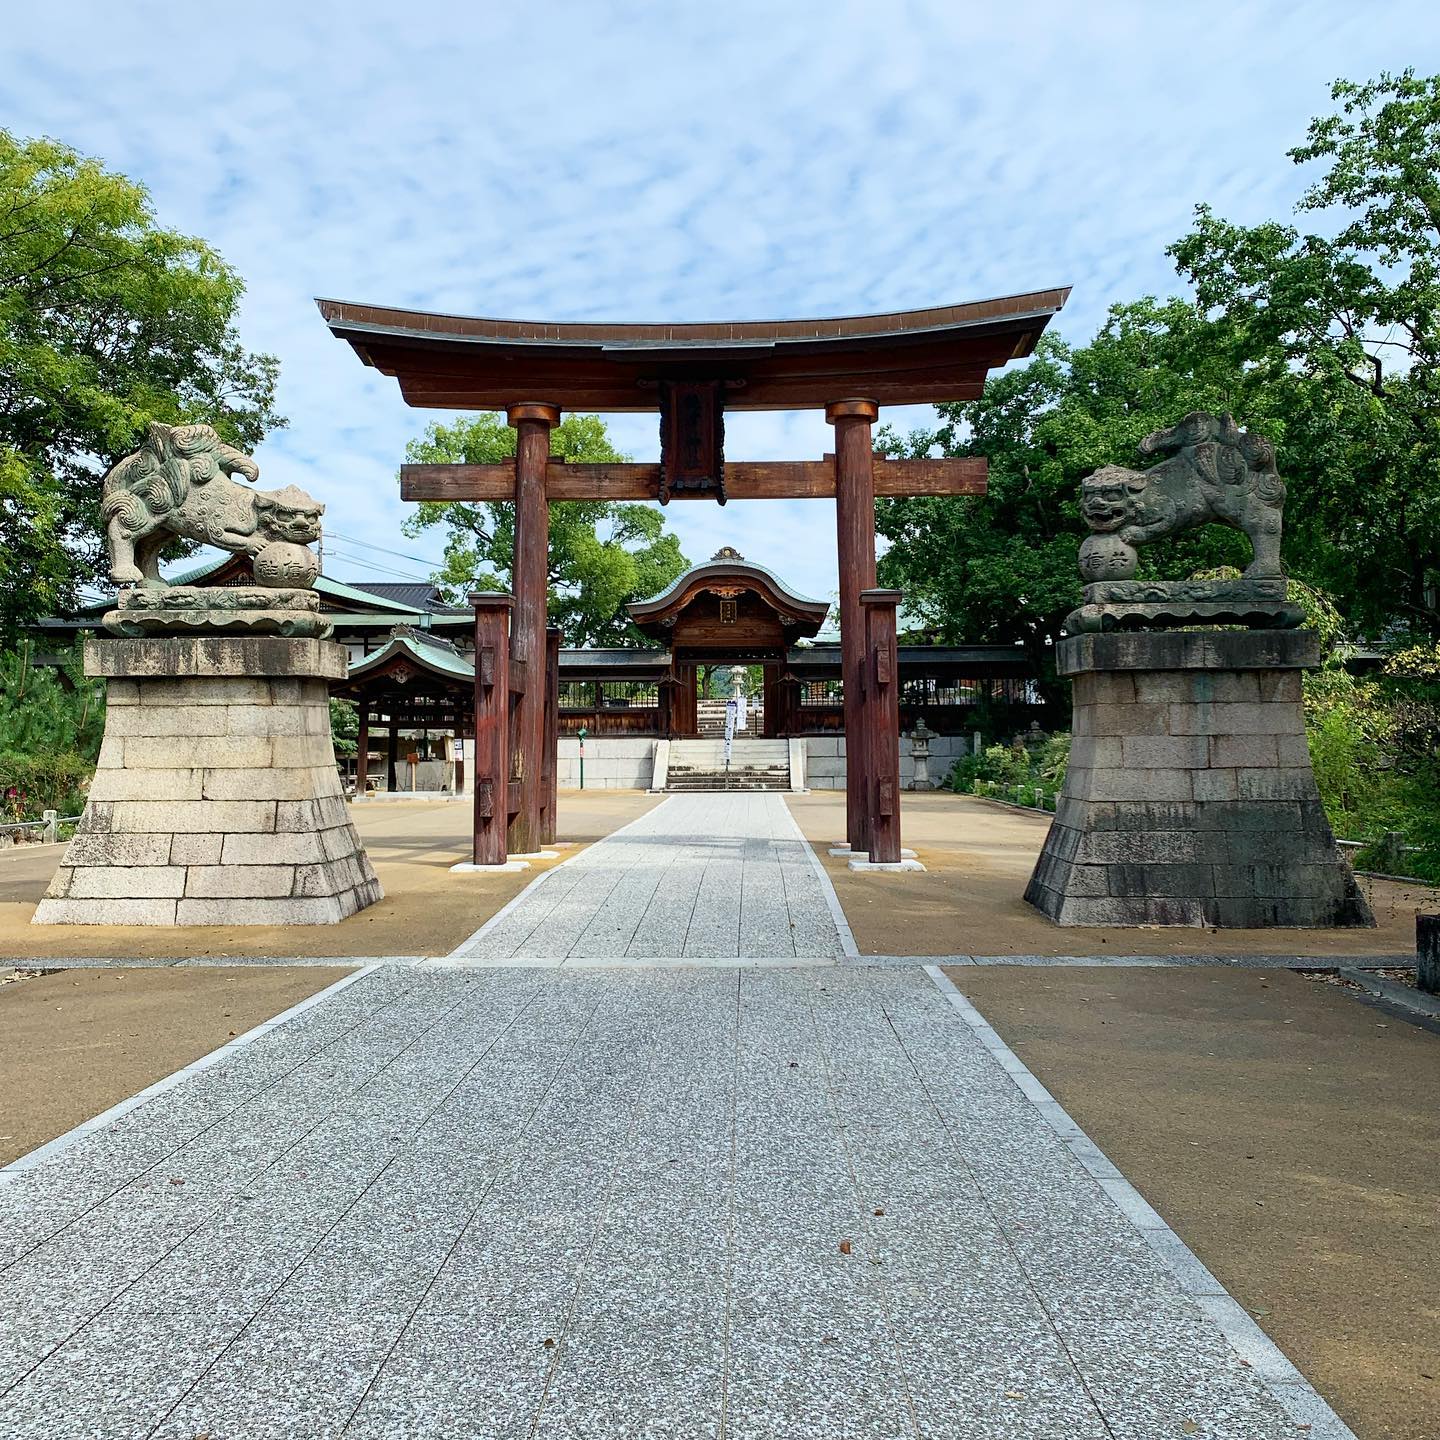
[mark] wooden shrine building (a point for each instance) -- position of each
(690, 374)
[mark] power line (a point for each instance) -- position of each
(398, 554)
(366, 564)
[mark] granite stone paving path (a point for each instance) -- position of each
(700, 877)
(491, 1199)
(653, 1201)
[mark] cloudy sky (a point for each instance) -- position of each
(611, 159)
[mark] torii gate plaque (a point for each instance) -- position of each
(691, 374)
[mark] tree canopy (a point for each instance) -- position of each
(1325, 345)
(602, 553)
(1346, 327)
(1003, 567)
(107, 321)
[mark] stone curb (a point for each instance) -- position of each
(1415, 1001)
(1250, 1343)
(827, 888)
(86, 1128)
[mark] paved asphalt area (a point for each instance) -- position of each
(704, 876)
(649, 1200)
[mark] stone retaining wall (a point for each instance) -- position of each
(825, 760)
(611, 763)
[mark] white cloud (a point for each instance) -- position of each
(653, 160)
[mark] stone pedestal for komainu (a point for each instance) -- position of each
(216, 799)
(1189, 797)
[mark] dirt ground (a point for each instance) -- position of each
(412, 844)
(978, 857)
(1288, 1133)
(75, 1042)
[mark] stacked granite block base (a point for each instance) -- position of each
(1190, 799)
(216, 800)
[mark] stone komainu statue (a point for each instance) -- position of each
(178, 484)
(1212, 470)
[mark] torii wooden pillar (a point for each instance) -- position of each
(533, 423)
(855, 531)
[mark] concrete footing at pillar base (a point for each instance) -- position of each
(1190, 799)
(216, 800)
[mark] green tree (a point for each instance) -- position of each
(602, 554)
(1346, 326)
(1003, 567)
(107, 321)
(52, 720)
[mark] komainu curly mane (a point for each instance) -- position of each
(178, 483)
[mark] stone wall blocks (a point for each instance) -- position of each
(289, 849)
(202, 849)
(153, 816)
(239, 881)
(1293, 750)
(135, 882)
(1280, 686)
(286, 910)
(1153, 847)
(175, 752)
(118, 850)
(97, 818)
(59, 885)
(265, 720)
(121, 692)
(1236, 687)
(302, 750)
(257, 784)
(1145, 785)
(1276, 783)
(1211, 650)
(1163, 686)
(332, 810)
(214, 690)
(1088, 881)
(1187, 752)
(202, 656)
(165, 720)
(326, 879)
(155, 911)
(1246, 750)
(112, 753)
(1114, 689)
(146, 785)
(1138, 719)
(1215, 785)
(341, 841)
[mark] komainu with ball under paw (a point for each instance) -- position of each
(178, 483)
(1212, 470)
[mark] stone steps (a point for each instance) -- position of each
(746, 779)
(754, 765)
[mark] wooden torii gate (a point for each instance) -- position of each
(691, 374)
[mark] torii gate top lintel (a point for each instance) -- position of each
(460, 362)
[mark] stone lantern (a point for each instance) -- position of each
(920, 738)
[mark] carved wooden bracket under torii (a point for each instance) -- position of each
(692, 438)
